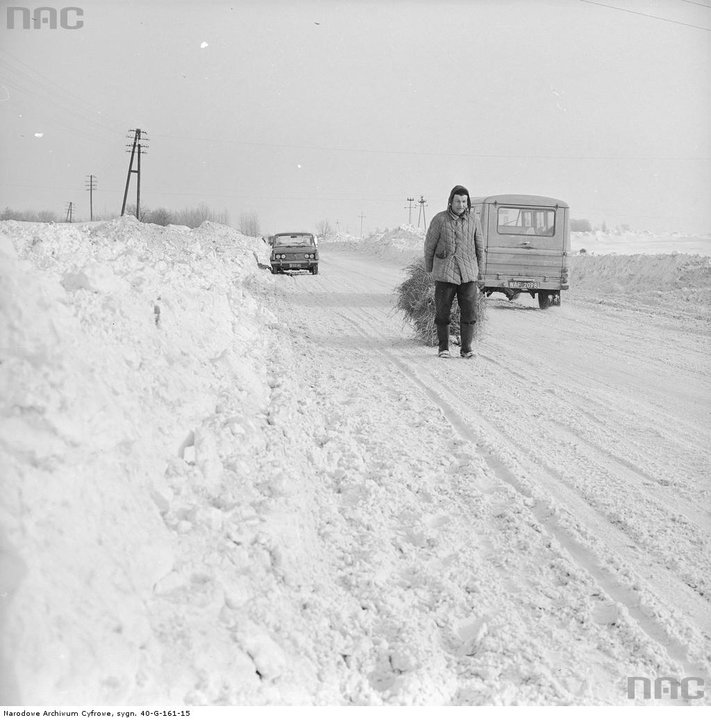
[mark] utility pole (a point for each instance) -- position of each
(361, 216)
(409, 209)
(138, 148)
(69, 215)
(421, 214)
(91, 186)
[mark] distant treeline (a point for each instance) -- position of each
(192, 217)
(29, 215)
(583, 225)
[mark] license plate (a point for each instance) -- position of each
(525, 284)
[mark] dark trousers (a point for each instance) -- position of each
(466, 298)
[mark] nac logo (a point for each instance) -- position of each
(68, 18)
(665, 688)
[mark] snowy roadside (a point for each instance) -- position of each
(222, 487)
(118, 340)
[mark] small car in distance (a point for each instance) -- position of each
(294, 251)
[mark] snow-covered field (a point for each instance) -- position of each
(221, 486)
(408, 239)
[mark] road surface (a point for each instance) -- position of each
(560, 480)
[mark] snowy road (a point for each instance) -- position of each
(552, 495)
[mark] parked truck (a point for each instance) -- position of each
(526, 246)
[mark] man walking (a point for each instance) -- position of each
(454, 254)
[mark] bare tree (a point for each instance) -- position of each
(324, 229)
(580, 225)
(249, 224)
(144, 215)
(159, 216)
(47, 216)
(29, 215)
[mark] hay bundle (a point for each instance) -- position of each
(415, 299)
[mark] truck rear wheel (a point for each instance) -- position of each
(544, 300)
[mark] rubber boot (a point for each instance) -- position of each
(443, 337)
(467, 333)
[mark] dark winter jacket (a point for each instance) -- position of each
(454, 247)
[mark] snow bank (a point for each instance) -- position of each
(652, 278)
(118, 340)
(405, 241)
(669, 273)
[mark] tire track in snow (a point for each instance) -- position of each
(580, 504)
(584, 556)
(599, 452)
(594, 408)
(655, 506)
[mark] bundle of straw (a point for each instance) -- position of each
(415, 299)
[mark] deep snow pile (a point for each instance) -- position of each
(119, 341)
(339, 237)
(404, 241)
(669, 282)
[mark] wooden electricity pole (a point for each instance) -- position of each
(91, 186)
(421, 214)
(138, 148)
(409, 209)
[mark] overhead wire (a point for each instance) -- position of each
(636, 12)
(693, 2)
(416, 153)
(48, 97)
(51, 86)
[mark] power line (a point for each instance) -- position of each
(33, 84)
(655, 17)
(494, 156)
(692, 2)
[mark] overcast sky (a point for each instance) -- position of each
(329, 110)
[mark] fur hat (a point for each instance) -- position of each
(459, 190)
